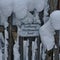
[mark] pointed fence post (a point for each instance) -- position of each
(11, 29)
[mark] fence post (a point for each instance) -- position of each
(10, 29)
(30, 49)
(57, 43)
(21, 47)
(3, 45)
(38, 46)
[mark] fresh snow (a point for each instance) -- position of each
(39, 5)
(6, 7)
(20, 7)
(47, 35)
(47, 30)
(55, 19)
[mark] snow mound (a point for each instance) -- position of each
(47, 35)
(55, 19)
(36, 4)
(20, 8)
(6, 7)
(29, 19)
(39, 5)
(30, 5)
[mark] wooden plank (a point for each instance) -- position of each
(57, 43)
(53, 5)
(21, 47)
(38, 48)
(10, 40)
(30, 49)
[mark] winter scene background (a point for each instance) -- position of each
(29, 29)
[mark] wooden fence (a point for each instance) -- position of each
(50, 55)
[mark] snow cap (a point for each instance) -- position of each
(6, 7)
(55, 19)
(20, 8)
(39, 5)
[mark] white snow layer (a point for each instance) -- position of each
(20, 7)
(6, 44)
(36, 4)
(47, 30)
(4, 21)
(39, 5)
(47, 35)
(6, 7)
(55, 19)
(16, 51)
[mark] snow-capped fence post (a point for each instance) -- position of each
(10, 29)
(10, 40)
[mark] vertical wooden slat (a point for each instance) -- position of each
(10, 40)
(38, 50)
(37, 53)
(30, 49)
(49, 55)
(58, 6)
(21, 47)
(57, 43)
(53, 5)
